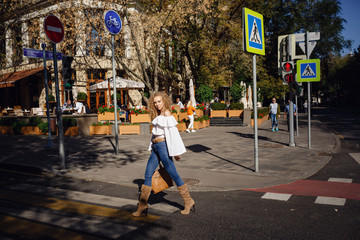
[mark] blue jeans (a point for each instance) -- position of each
(274, 121)
(160, 152)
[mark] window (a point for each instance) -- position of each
(16, 44)
(2, 47)
(96, 75)
(95, 42)
(33, 29)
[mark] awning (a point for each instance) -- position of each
(121, 83)
(9, 79)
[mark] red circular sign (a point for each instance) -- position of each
(54, 29)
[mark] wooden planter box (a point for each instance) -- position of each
(218, 113)
(183, 116)
(100, 130)
(199, 112)
(71, 131)
(260, 121)
(129, 129)
(6, 129)
(235, 113)
(196, 126)
(30, 130)
(140, 118)
(107, 116)
(181, 127)
(207, 123)
(176, 116)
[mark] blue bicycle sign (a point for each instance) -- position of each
(112, 22)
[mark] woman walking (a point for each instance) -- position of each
(165, 143)
(190, 114)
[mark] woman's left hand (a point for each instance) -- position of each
(177, 158)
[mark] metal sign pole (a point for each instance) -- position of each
(256, 153)
(115, 97)
(49, 143)
(297, 115)
(309, 93)
(58, 111)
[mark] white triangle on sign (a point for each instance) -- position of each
(308, 71)
(255, 35)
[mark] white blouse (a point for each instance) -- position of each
(166, 126)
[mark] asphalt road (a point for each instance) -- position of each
(38, 206)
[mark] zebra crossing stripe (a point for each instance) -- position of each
(276, 196)
(343, 180)
(330, 201)
(355, 156)
(86, 197)
(71, 206)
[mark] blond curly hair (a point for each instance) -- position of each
(167, 104)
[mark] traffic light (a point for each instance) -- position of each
(287, 71)
(67, 72)
(286, 50)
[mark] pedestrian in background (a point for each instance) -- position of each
(178, 102)
(274, 112)
(165, 144)
(190, 113)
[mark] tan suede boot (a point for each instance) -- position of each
(143, 205)
(188, 201)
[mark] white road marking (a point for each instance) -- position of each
(342, 180)
(277, 196)
(355, 156)
(88, 197)
(331, 201)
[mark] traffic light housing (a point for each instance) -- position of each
(67, 72)
(287, 72)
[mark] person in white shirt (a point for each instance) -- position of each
(165, 144)
(178, 102)
(274, 114)
(78, 106)
(66, 105)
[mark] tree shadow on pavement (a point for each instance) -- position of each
(249, 135)
(202, 148)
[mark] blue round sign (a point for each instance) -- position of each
(112, 22)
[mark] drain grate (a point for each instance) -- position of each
(190, 181)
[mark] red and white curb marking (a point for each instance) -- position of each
(335, 191)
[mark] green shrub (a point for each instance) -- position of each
(51, 98)
(69, 122)
(34, 121)
(81, 96)
(204, 93)
(262, 112)
(236, 92)
(236, 106)
(43, 127)
(107, 123)
(7, 121)
(218, 106)
(118, 96)
(18, 125)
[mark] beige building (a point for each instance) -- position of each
(86, 40)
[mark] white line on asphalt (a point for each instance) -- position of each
(355, 156)
(88, 197)
(86, 224)
(331, 201)
(277, 196)
(342, 180)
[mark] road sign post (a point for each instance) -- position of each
(54, 31)
(113, 24)
(254, 42)
(50, 143)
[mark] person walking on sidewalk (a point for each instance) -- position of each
(165, 144)
(190, 114)
(274, 112)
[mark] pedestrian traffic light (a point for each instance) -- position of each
(287, 71)
(67, 72)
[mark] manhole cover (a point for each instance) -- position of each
(190, 181)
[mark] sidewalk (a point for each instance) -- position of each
(217, 158)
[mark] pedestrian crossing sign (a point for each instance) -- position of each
(253, 32)
(308, 70)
